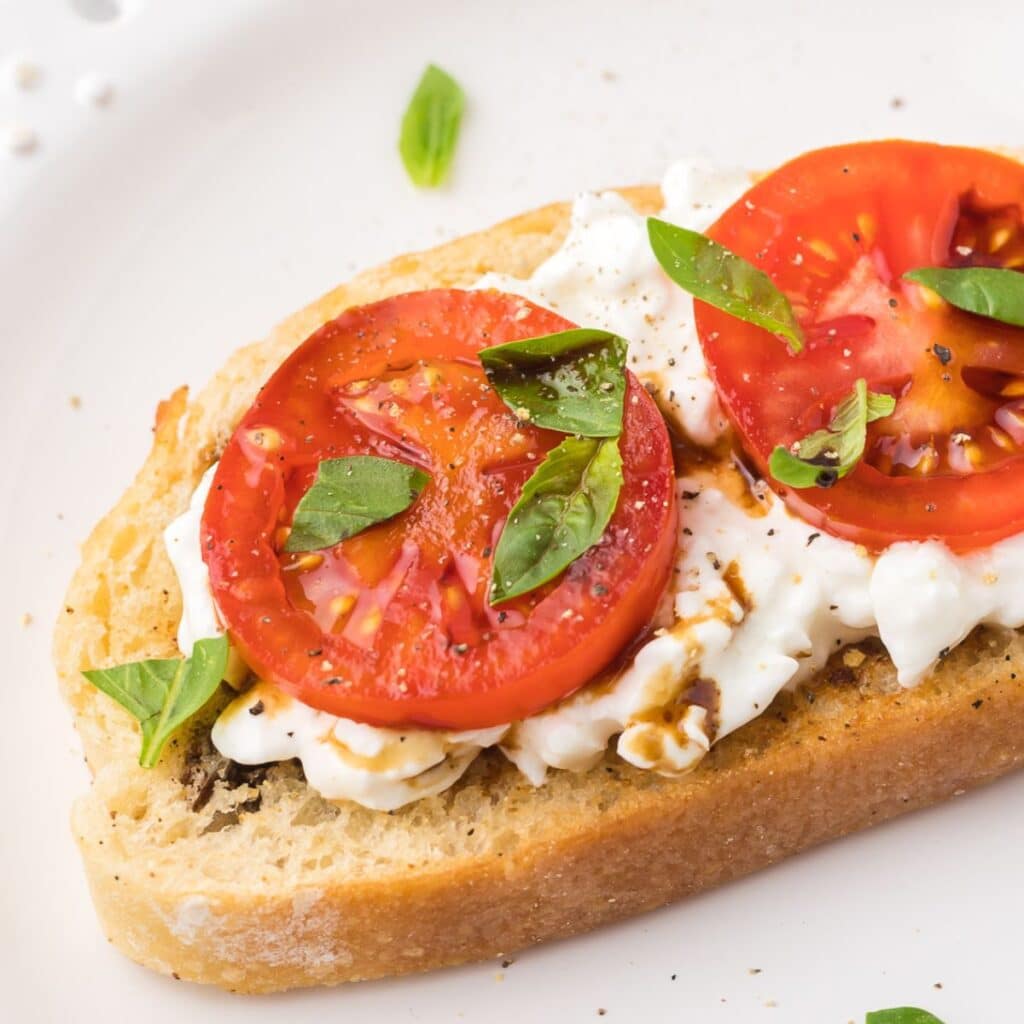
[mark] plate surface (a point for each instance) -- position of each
(244, 161)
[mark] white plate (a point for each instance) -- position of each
(246, 163)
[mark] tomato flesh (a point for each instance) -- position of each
(835, 230)
(392, 626)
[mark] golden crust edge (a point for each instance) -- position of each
(863, 759)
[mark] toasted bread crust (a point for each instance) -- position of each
(287, 896)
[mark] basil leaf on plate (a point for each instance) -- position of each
(562, 512)
(988, 291)
(825, 456)
(713, 274)
(902, 1015)
(430, 127)
(573, 381)
(348, 496)
(164, 693)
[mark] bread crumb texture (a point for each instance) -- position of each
(246, 878)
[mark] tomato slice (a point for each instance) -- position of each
(392, 626)
(835, 229)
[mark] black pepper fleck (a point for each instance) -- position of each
(258, 708)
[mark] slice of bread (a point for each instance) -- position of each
(246, 878)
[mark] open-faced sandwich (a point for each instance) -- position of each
(507, 590)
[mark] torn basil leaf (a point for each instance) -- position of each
(349, 495)
(573, 381)
(164, 693)
(991, 292)
(562, 512)
(902, 1015)
(826, 456)
(430, 127)
(713, 274)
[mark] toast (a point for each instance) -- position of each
(246, 878)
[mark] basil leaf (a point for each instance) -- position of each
(573, 381)
(879, 406)
(563, 511)
(826, 456)
(164, 694)
(988, 291)
(788, 469)
(430, 127)
(902, 1015)
(713, 274)
(348, 496)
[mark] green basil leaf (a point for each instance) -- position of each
(430, 127)
(902, 1015)
(573, 381)
(826, 456)
(879, 406)
(713, 274)
(988, 291)
(164, 694)
(563, 511)
(788, 469)
(348, 496)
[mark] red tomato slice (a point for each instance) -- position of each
(835, 230)
(392, 626)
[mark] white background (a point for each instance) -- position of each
(247, 163)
